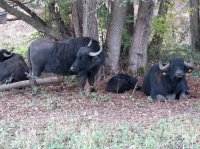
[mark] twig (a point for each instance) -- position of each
(134, 89)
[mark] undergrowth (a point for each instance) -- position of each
(177, 132)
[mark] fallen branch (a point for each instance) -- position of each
(22, 84)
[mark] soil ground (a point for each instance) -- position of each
(62, 102)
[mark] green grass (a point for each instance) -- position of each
(180, 132)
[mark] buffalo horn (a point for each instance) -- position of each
(163, 67)
(190, 64)
(6, 54)
(89, 44)
(95, 53)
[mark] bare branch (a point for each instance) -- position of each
(12, 19)
(29, 11)
(31, 21)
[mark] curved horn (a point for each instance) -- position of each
(190, 64)
(6, 54)
(89, 44)
(163, 67)
(96, 53)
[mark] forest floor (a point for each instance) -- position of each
(62, 102)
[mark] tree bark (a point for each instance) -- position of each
(138, 49)
(55, 14)
(114, 35)
(21, 84)
(29, 11)
(37, 24)
(90, 26)
(195, 25)
(75, 19)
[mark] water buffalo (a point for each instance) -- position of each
(121, 83)
(81, 56)
(167, 81)
(13, 67)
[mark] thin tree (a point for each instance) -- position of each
(77, 10)
(140, 39)
(56, 16)
(195, 25)
(90, 26)
(114, 35)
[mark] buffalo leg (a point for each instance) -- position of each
(171, 97)
(160, 97)
(82, 82)
(183, 96)
(91, 83)
(33, 84)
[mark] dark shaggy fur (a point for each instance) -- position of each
(121, 83)
(167, 84)
(58, 56)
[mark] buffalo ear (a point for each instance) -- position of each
(7, 54)
(188, 69)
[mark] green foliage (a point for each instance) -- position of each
(103, 17)
(70, 79)
(99, 98)
(160, 26)
(22, 50)
(23, 47)
(65, 8)
(36, 35)
(178, 132)
(173, 29)
(126, 42)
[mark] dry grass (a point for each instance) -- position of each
(15, 33)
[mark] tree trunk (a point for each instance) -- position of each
(138, 49)
(195, 25)
(114, 35)
(75, 19)
(21, 84)
(60, 25)
(31, 20)
(90, 26)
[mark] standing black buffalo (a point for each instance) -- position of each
(121, 83)
(13, 67)
(82, 56)
(167, 81)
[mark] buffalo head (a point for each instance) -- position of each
(5, 54)
(176, 68)
(85, 57)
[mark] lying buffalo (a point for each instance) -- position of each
(167, 81)
(5, 54)
(82, 56)
(121, 83)
(13, 67)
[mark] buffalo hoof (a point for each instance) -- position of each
(92, 89)
(188, 91)
(161, 98)
(81, 93)
(171, 97)
(35, 91)
(183, 96)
